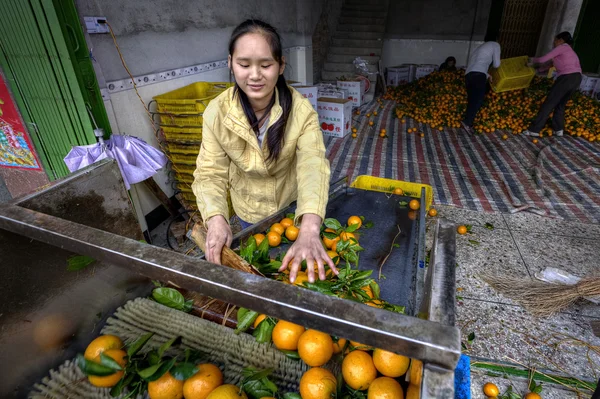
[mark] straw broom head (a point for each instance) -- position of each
(542, 298)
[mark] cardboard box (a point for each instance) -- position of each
(309, 92)
(424, 70)
(335, 116)
(589, 82)
(356, 91)
(596, 93)
(331, 91)
(400, 74)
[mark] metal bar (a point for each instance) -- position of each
(420, 263)
(425, 340)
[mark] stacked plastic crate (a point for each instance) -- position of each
(180, 119)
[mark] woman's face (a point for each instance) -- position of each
(254, 68)
(558, 42)
(451, 63)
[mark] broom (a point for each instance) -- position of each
(542, 298)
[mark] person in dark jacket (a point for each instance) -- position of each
(448, 65)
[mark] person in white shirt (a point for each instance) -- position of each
(476, 78)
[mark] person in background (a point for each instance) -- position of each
(261, 139)
(476, 77)
(448, 65)
(568, 80)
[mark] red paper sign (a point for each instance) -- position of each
(16, 150)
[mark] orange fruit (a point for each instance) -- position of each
(413, 392)
(278, 228)
(260, 318)
(359, 347)
(227, 391)
(358, 370)
(414, 204)
(375, 303)
(291, 233)
(532, 395)
(369, 115)
(329, 242)
(371, 123)
(383, 131)
(274, 238)
(286, 222)
(390, 364)
(346, 236)
(333, 255)
(416, 372)
(354, 130)
(535, 141)
(108, 381)
(385, 388)
(201, 384)
(352, 220)
(259, 238)
(286, 335)
(301, 278)
(382, 135)
(432, 212)
(166, 387)
(398, 191)
(354, 135)
(315, 348)
(101, 344)
(339, 345)
(375, 113)
(318, 383)
(422, 134)
(461, 229)
(368, 290)
(490, 389)
(505, 137)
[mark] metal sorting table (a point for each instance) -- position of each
(89, 213)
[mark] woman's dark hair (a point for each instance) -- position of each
(565, 37)
(275, 134)
(491, 37)
(450, 59)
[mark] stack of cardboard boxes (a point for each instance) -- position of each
(590, 85)
(407, 73)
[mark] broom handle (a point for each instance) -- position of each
(228, 256)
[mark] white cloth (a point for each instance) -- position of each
(261, 132)
(486, 54)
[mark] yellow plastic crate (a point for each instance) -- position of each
(183, 149)
(184, 177)
(182, 134)
(184, 159)
(384, 185)
(190, 99)
(181, 120)
(513, 74)
(184, 169)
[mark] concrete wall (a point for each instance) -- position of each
(561, 15)
(159, 35)
(323, 34)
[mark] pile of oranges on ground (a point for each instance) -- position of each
(440, 100)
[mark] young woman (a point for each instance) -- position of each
(448, 65)
(568, 71)
(262, 142)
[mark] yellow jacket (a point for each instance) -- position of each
(231, 159)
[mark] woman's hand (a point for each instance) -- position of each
(218, 235)
(308, 246)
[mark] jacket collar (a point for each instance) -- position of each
(236, 120)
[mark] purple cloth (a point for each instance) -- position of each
(137, 159)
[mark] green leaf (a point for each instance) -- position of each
(153, 357)
(291, 354)
(149, 371)
(332, 224)
(396, 245)
(403, 204)
(474, 242)
(162, 369)
(240, 313)
(264, 330)
(342, 246)
(123, 382)
(188, 306)
(290, 215)
(368, 225)
(471, 337)
(263, 250)
(291, 395)
(110, 362)
(469, 228)
(183, 371)
(246, 321)
(138, 344)
(89, 367)
(352, 228)
(284, 240)
(330, 235)
(375, 289)
(270, 268)
(169, 297)
(165, 347)
(79, 262)
(489, 226)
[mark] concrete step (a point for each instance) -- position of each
(379, 3)
(356, 43)
(358, 35)
(364, 7)
(349, 58)
(345, 67)
(356, 51)
(363, 14)
(334, 75)
(361, 28)
(361, 21)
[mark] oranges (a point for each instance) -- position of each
(345, 236)
(227, 391)
(201, 384)
(286, 222)
(260, 318)
(318, 383)
(278, 228)
(274, 238)
(532, 395)
(416, 372)
(166, 387)
(385, 388)
(360, 347)
(291, 233)
(101, 344)
(286, 335)
(461, 230)
(339, 345)
(334, 255)
(119, 356)
(390, 364)
(358, 370)
(354, 135)
(398, 191)
(535, 141)
(328, 241)
(371, 123)
(353, 220)
(432, 212)
(259, 238)
(414, 204)
(315, 348)
(354, 130)
(490, 390)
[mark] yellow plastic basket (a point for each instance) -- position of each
(384, 185)
(183, 149)
(184, 169)
(182, 134)
(181, 120)
(513, 74)
(184, 159)
(184, 177)
(190, 99)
